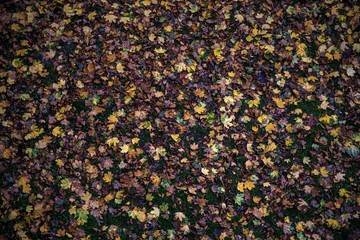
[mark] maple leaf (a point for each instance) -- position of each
(125, 148)
(270, 127)
(256, 199)
(176, 137)
(324, 172)
(110, 17)
(180, 216)
(155, 212)
(160, 50)
(80, 84)
(239, 17)
(81, 216)
(108, 177)
(120, 68)
(65, 183)
(57, 131)
(59, 162)
(200, 108)
(185, 228)
(239, 199)
(24, 183)
(339, 177)
(263, 118)
(218, 52)
(254, 103)
(333, 223)
(113, 118)
(343, 193)
(168, 28)
(140, 215)
(205, 171)
(279, 102)
(112, 141)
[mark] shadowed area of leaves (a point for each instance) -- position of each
(157, 119)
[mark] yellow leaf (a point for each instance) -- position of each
(205, 171)
(135, 140)
(152, 37)
(160, 50)
(200, 108)
(279, 102)
(113, 118)
(65, 183)
(111, 57)
(57, 131)
(155, 179)
(343, 193)
(108, 177)
(218, 52)
(176, 137)
(24, 183)
(239, 18)
(155, 212)
(300, 227)
(263, 118)
(180, 216)
(59, 162)
(270, 127)
(249, 38)
(79, 84)
(112, 141)
(110, 17)
(271, 147)
(333, 223)
(120, 68)
(254, 103)
(249, 185)
(315, 172)
(256, 199)
(168, 28)
(146, 2)
(91, 15)
(125, 148)
(324, 172)
(231, 74)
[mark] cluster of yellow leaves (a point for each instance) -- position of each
(35, 132)
(130, 93)
(24, 183)
(159, 151)
(112, 121)
(323, 171)
(328, 119)
(301, 48)
(241, 186)
(333, 223)
(138, 214)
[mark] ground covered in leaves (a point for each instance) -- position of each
(157, 119)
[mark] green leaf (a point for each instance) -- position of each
(239, 199)
(353, 150)
(81, 216)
